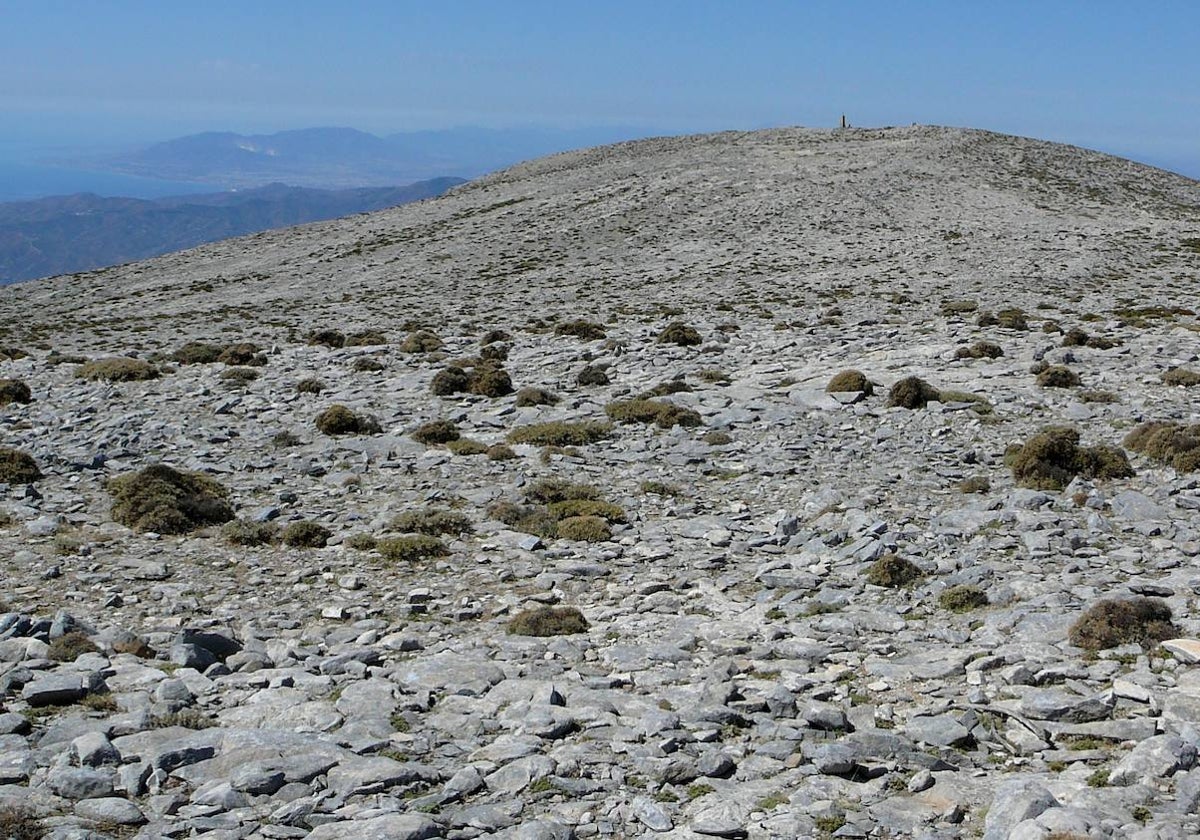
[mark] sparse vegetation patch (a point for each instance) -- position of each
(581, 329)
(14, 391)
(850, 381)
(17, 467)
(547, 621)
(340, 420)
(117, 369)
(681, 334)
(168, 501)
(892, 571)
(1175, 376)
(1174, 444)
(663, 414)
(561, 433)
(1052, 457)
(411, 549)
(1109, 623)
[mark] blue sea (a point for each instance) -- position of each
(23, 181)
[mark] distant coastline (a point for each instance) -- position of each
(23, 181)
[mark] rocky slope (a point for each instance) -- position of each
(740, 675)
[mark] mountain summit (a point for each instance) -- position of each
(751, 485)
(781, 217)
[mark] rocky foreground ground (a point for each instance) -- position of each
(740, 676)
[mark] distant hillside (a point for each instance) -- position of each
(344, 157)
(67, 234)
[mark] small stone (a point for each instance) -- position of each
(650, 814)
(110, 810)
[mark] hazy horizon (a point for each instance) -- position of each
(1101, 74)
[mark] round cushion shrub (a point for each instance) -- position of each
(168, 501)
(305, 534)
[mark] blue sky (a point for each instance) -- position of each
(1118, 76)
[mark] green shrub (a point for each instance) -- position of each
(662, 389)
(432, 521)
(328, 338)
(581, 329)
(70, 646)
(449, 381)
(1109, 623)
(421, 341)
(592, 376)
(1075, 337)
(1058, 376)
(1174, 376)
(569, 508)
(980, 350)
(494, 353)
(305, 534)
(197, 353)
(548, 491)
(467, 446)
(500, 452)
(14, 391)
(367, 364)
(892, 571)
(1078, 338)
(912, 392)
(1174, 444)
(1012, 319)
(1096, 397)
(681, 334)
(340, 420)
(535, 396)
(1053, 457)
(663, 414)
(489, 380)
(243, 353)
(533, 519)
(717, 377)
(411, 549)
(547, 621)
(435, 432)
(117, 369)
(366, 338)
(962, 598)
(241, 532)
(360, 542)
(17, 467)
(654, 487)
(494, 336)
(560, 433)
(168, 501)
(959, 307)
(238, 375)
(584, 529)
(850, 381)
(311, 385)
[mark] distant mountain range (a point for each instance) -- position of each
(67, 234)
(345, 157)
